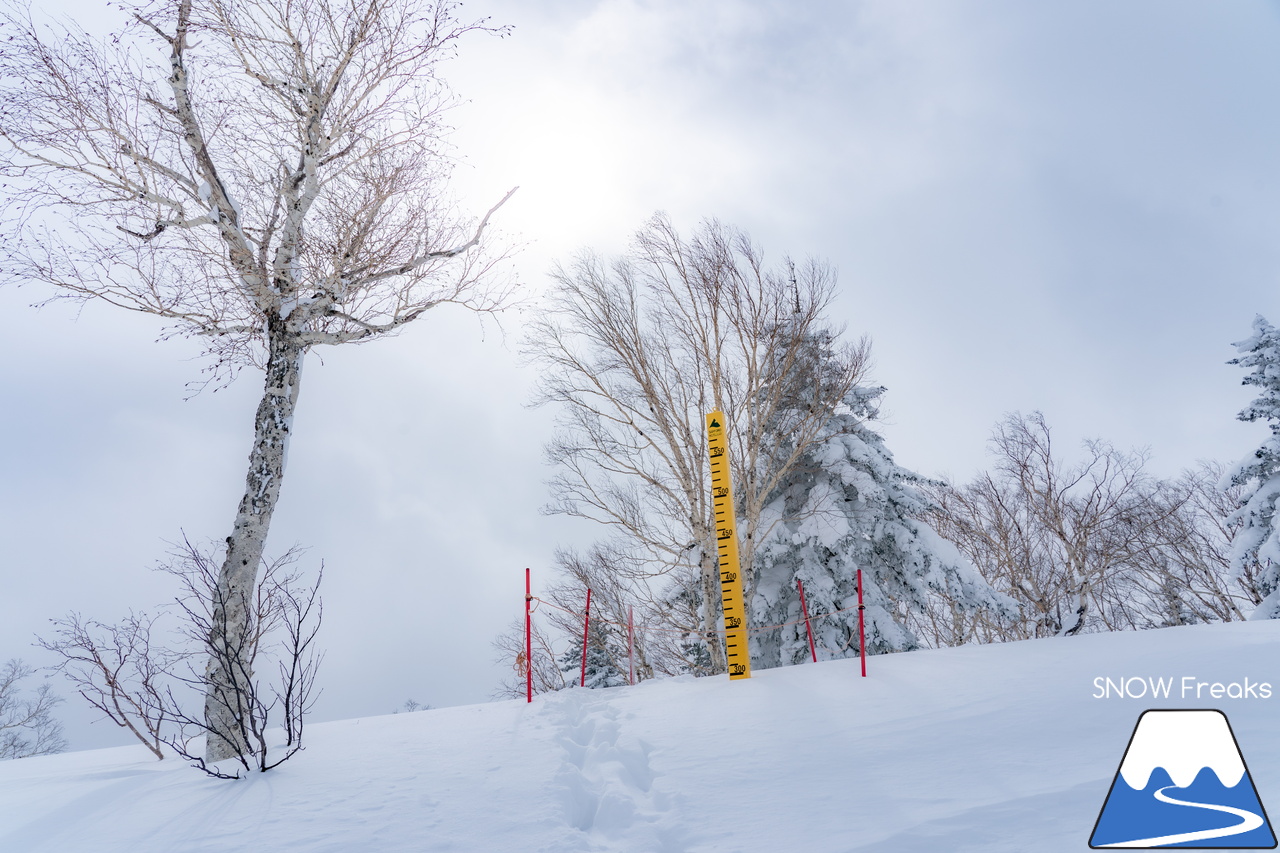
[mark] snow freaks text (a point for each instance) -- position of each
(1186, 687)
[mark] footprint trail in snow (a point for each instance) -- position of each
(609, 790)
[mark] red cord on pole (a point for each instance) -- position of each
(805, 610)
(528, 638)
(862, 634)
(631, 645)
(586, 623)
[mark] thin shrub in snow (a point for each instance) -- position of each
(153, 681)
(120, 670)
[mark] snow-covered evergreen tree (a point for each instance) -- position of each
(606, 657)
(848, 506)
(1257, 541)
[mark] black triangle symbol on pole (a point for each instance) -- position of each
(714, 422)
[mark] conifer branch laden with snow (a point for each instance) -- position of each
(266, 177)
(1256, 545)
(847, 506)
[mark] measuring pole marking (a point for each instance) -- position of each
(735, 623)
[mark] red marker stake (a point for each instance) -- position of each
(805, 610)
(862, 634)
(586, 622)
(528, 639)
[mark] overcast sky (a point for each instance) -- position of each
(1064, 206)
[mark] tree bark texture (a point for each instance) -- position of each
(712, 622)
(272, 427)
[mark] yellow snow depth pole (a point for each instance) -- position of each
(735, 614)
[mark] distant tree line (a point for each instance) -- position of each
(1094, 544)
(1100, 544)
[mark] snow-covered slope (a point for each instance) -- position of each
(990, 748)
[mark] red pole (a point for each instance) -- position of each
(862, 634)
(631, 646)
(805, 610)
(586, 622)
(528, 639)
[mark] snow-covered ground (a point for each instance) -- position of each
(983, 748)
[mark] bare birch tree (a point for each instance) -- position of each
(265, 175)
(139, 672)
(1062, 540)
(1188, 576)
(636, 352)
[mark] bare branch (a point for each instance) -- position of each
(27, 726)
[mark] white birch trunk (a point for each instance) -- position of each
(709, 570)
(1082, 588)
(272, 426)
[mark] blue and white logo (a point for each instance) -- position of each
(1183, 783)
